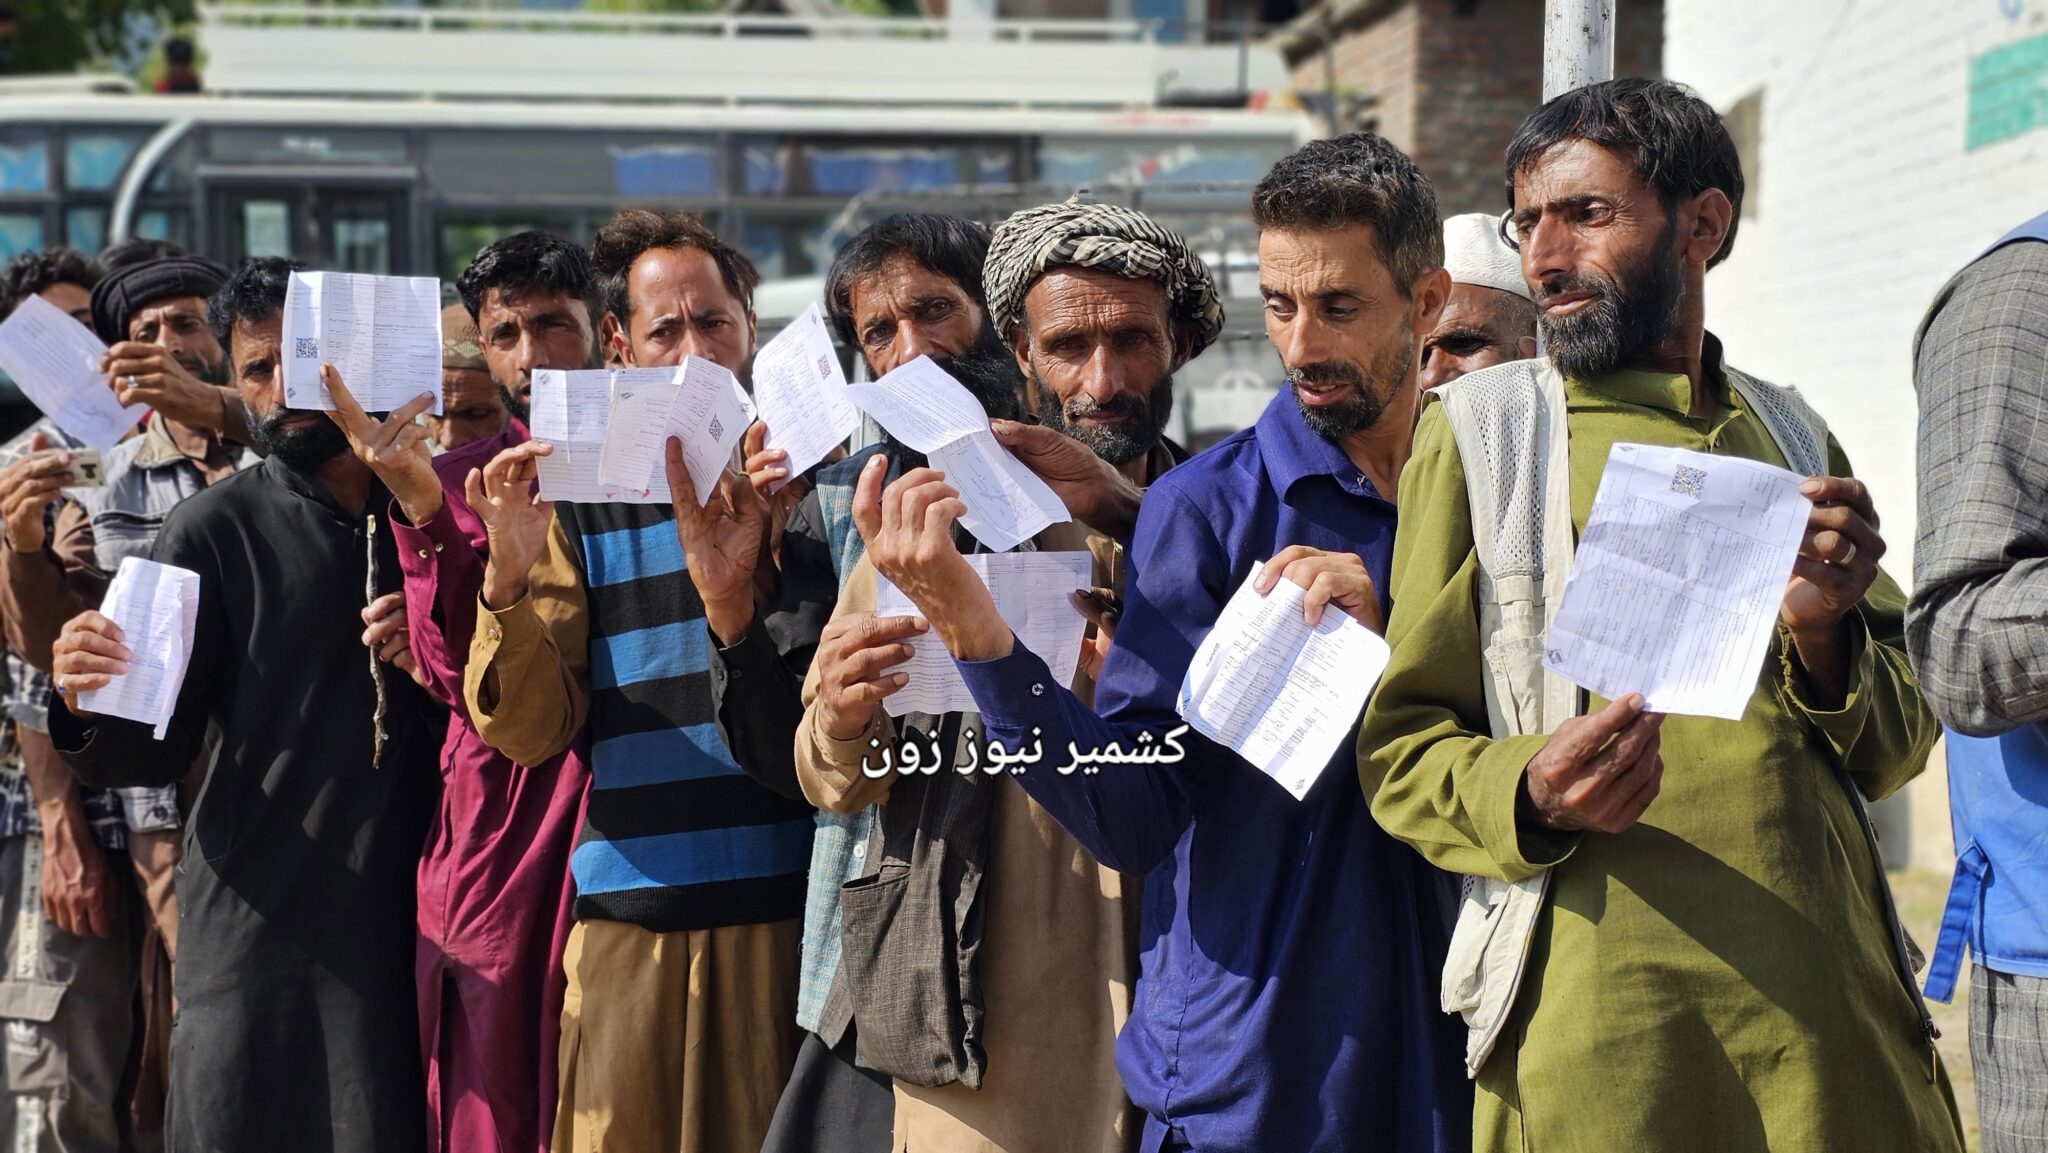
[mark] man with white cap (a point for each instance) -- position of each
(1489, 318)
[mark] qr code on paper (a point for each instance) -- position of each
(824, 366)
(1689, 481)
(717, 429)
(306, 347)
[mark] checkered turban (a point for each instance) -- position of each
(1110, 237)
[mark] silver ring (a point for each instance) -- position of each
(1849, 556)
(132, 382)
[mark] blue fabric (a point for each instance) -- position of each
(675, 649)
(839, 845)
(1998, 804)
(662, 756)
(704, 855)
(1290, 950)
(632, 553)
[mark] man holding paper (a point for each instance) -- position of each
(1290, 947)
(678, 1027)
(1695, 910)
(294, 976)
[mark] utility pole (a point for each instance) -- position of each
(1578, 44)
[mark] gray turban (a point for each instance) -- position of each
(1116, 240)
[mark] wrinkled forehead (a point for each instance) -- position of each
(1576, 170)
(1075, 294)
(899, 285)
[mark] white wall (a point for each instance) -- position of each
(1867, 200)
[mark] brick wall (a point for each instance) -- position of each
(1375, 59)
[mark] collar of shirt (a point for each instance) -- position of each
(1292, 452)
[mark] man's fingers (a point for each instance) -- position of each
(411, 410)
(1589, 733)
(867, 664)
(1845, 490)
(866, 696)
(383, 606)
(389, 651)
(473, 488)
(91, 662)
(347, 413)
(755, 439)
(682, 490)
(1641, 737)
(1277, 564)
(867, 498)
(879, 630)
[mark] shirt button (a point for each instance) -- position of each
(423, 554)
(1038, 690)
(860, 852)
(437, 546)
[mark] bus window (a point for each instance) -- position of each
(20, 232)
(85, 228)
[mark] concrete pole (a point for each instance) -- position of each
(1578, 44)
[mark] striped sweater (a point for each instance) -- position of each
(676, 836)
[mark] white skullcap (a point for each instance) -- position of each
(1475, 254)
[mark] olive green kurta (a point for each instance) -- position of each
(1719, 977)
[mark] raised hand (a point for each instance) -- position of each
(856, 654)
(722, 543)
(908, 531)
(88, 653)
(396, 448)
(148, 374)
(1331, 578)
(1836, 566)
(505, 495)
(28, 487)
(1095, 493)
(1597, 772)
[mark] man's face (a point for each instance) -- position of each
(680, 307)
(1098, 350)
(529, 331)
(1344, 330)
(178, 326)
(1478, 328)
(300, 438)
(72, 300)
(904, 310)
(472, 408)
(1603, 255)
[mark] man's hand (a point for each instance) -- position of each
(78, 895)
(396, 448)
(28, 487)
(87, 655)
(148, 374)
(909, 535)
(505, 495)
(1095, 493)
(386, 633)
(1102, 608)
(855, 653)
(1597, 772)
(1331, 578)
(1836, 566)
(721, 543)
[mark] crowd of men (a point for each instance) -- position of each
(594, 855)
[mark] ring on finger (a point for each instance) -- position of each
(1849, 556)
(133, 382)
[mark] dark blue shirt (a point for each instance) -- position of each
(1290, 950)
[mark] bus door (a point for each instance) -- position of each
(353, 225)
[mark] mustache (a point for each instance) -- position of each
(1122, 404)
(1596, 286)
(1327, 372)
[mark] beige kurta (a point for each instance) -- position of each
(1718, 978)
(1057, 963)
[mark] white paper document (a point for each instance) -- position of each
(801, 391)
(156, 606)
(931, 412)
(610, 429)
(1030, 590)
(56, 361)
(382, 333)
(1674, 592)
(1282, 695)
(710, 414)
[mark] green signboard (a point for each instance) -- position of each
(2008, 92)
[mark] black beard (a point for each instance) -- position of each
(1120, 443)
(514, 405)
(989, 372)
(1625, 319)
(302, 449)
(1370, 391)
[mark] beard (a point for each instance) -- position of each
(300, 449)
(515, 402)
(1626, 317)
(1371, 389)
(1140, 431)
(989, 371)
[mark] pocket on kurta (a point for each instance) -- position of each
(897, 960)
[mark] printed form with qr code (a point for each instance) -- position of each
(1676, 584)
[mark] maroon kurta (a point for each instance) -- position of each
(494, 879)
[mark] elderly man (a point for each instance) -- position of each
(493, 881)
(1290, 947)
(678, 1027)
(472, 405)
(1489, 318)
(296, 1017)
(1979, 641)
(1108, 304)
(1713, 966)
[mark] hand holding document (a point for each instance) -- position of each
(1675, 589)
(156, 606)
(931, 412)
(56, 361)
(382, 332)
(1030, 591)
(1283, 694)
(610, 429)
(802, 393)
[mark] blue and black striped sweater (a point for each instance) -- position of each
(676, 835)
